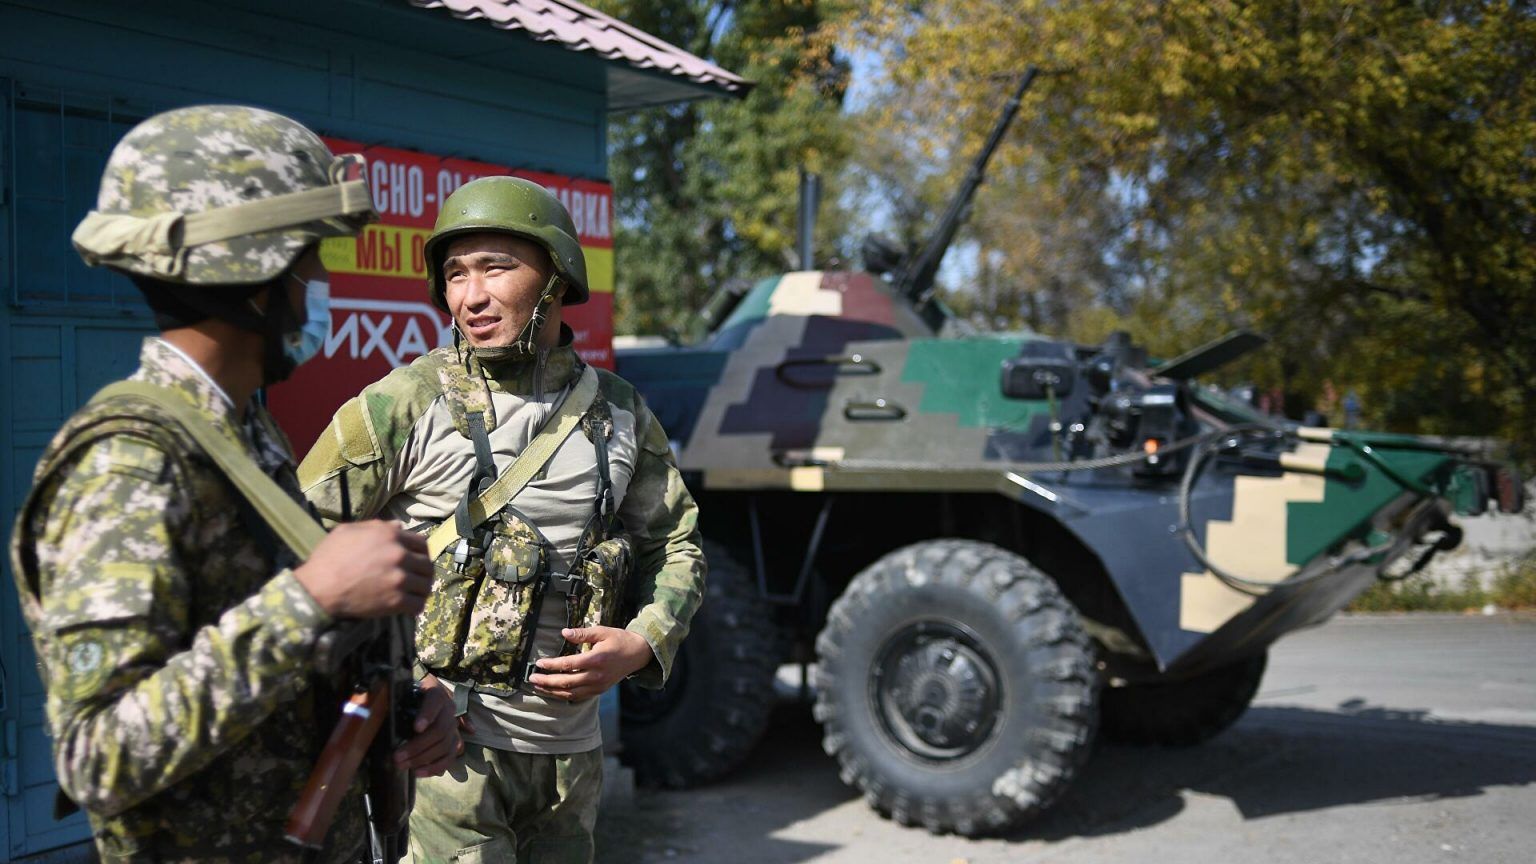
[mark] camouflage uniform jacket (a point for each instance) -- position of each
(364, 444)
(174, 640)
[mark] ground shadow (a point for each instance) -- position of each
(1280, 760)
(786, 779)
(1276, 760)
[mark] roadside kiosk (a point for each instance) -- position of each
(435, 92)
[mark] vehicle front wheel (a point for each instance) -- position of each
(956, 687)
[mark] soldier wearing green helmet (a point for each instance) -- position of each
(544, 487)
(174, 628)
(510, 205)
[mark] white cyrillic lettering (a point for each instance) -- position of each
(346, 333)
(376, 338)
(417, 190)
(379, 182)
(397, 189)
(412, 342)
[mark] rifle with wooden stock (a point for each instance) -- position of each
(379, 655)
(375, 719)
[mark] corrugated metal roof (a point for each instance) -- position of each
(580, 28)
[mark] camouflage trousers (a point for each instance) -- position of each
(504, 807)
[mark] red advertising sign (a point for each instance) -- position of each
(380, 314)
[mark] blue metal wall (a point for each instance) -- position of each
(75, 75)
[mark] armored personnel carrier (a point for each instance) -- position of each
(994, 547)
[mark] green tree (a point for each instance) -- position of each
(707, 191)
(1353, 179)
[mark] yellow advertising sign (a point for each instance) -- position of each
(599, 269)
(381, 250)
(392, 250)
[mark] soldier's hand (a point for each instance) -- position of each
(436, 745)
(368, 570)
(615, 654)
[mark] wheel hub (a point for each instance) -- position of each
(936, 690)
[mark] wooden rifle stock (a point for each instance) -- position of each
(361, 718)
(391, 789)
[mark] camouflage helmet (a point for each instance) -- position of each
(509, 205)
(220, 194)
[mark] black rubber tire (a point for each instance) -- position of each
(1003, 616)
(713, 711)
(1181, 713)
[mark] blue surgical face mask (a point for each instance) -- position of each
(307, 341)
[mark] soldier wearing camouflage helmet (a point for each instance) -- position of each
(544, 485)
(174, 630)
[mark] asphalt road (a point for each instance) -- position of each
(1384, 740)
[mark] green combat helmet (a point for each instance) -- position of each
(220, 195)
(510, 205)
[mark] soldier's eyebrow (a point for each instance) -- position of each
(484, 259)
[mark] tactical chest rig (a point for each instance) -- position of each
(493, 569)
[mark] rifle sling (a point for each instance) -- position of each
(528, 464)
(287, 518)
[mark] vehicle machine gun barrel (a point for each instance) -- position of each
(916, 279)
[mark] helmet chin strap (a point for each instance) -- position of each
(277, 321)
(527, 342)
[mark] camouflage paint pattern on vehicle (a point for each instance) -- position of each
(829, 382)
(994, 546)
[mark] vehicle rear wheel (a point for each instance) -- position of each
(956, 687)
(1184, 712)
(712, 712)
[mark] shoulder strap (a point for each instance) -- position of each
(528, 463)
(74, 437)
(467, 395)
(287, 518)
